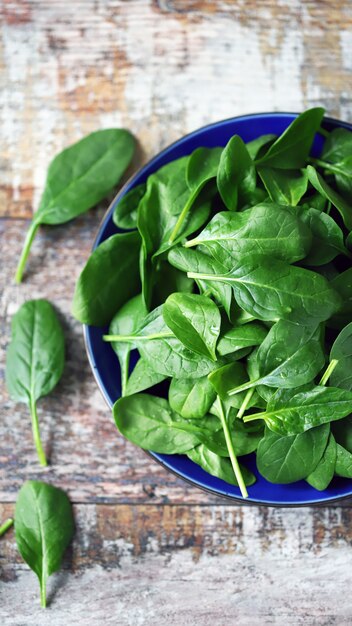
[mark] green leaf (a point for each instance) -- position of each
(125, 212)
(284, 186)
(286, 459)
(342, 431)
(35, 358)
(202, 166)
(191, 398)
(323, 474)
(44, 527)
(102, 287)
(195, 320)
(270, 289)
(338, 145)
(125, 322)
(265, 229)
(327, 240)
(342, 283)
(330, 194)
(292, 148)
(293, 411)
(343, 465)
(291, 355)
(256, 146)
(143, 377)
(342, 351)
(224, 378)
(218, 466)
(243, 336)
(236, 175)
(150, 423)
(78, 178)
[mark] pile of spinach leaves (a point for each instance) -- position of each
(234, 283)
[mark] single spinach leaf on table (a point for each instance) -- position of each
(239, 337)
(285, 459)
(103, 286)
(327, 237)
(323, 474)
(270, 289)
(78, 178)
(218, 466)
(125, 212)
(191, 398)
(44, 527)
(294, 411)
(342, 351)
(236, 175)
(35, 359)
(292, 148)
(285, 187)
(125, 322)
(264, 229)
(143, 377)
(330, 194)
(195, 320)
(291, 355)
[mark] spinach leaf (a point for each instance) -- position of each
(284, 186)
(293, 411)
(270, 289)
(125, 212)
(337, 146)
(44, 527)
(255, 146)
(167, 280)
(191, 398)
(78, 178)
(342, 431)
(330, 194)
(342, 283)
(342, 352)
(323, 474)
(236, 175)
(218, 466)
(35, 358)
(150, 423)
(343, 465)
(286, 459)
(238, 337)
(223, 378)
(143, 377)
(327, 241)
(125, 322)
(292, 148)
(265, 229)
(291, 355)
(195, 320)
(102, 287)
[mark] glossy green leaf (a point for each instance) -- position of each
(125, 212)
(142, 377)
(342, 283)
(342, 351)
(256, 146)
(342, 431)
(102, 287)
(218, 466)
(44, 527)
(202, 166)
(343, 465)
(327, 237)
(284, 186)
(191, 398)
(323, 474)
(338, 145)
(236, 174)
(330, 194)
(243, 336)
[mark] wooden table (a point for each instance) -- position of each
(150, 548)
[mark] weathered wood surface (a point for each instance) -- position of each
(147, 548)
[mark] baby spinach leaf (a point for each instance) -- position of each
(125, 212)
(292, 148)
(191, 398)
(265, 229)
(270, 289)
(337, 146)
(150, 423)
(168, 279)
(223, 378)
(236, 175)
(291, 355)
(293, 411)
(255, 146)
(143, 377)
(284, 186)
(342, 283)
(342, 431)
(102, 287)
(35, 358)
(323, 474)
(343, 465)
(327, 241)
(342, 352)
(78, 178)
(125, 322)
(44, 527)
(243, 336)
(330, 194)
(285, 459)
(195, 320)
(218, 466)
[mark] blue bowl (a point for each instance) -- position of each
(104, 362)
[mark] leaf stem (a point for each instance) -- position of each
(5, 526)
(229, 444)
(323, 132)
(329, 370)
(245, 402)
(213, 277)
(328, 166)
(255, 416)
(183, 215)
(244, 386)
(43, 592)
(31, 233)
(135, 338)
(124, 374)
(36, 434)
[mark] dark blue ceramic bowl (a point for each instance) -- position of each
(105, 365)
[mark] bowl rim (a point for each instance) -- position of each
(87, 341)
